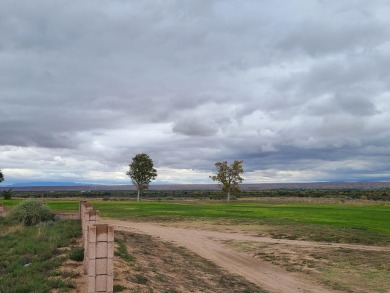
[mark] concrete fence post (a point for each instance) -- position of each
(100, 258)
(84, 207)
(91, 218)
(81, 207)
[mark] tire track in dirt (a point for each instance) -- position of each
(208, 245)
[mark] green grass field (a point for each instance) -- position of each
(320, 222)
(367, 224)
(375, 218)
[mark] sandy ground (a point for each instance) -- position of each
(210, 245)
(162, 253)
(162, 266)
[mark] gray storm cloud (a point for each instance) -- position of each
(298, 86)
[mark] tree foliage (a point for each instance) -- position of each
(141, 172)
(1, 176)
(228, 176)
(7, 194)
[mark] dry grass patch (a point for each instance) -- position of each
(156, 266)
(292, 231)
(349, 270)
(71, 271)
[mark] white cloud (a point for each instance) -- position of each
(290, 88)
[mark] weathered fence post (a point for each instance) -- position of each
(81, 207)
(91, 218)
(2, 213)
(100, 258)
(84, 207)
(98, 241)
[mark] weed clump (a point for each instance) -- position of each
(30, 213)
(77, 254)
(119, 288)
(141, 279)
(122, 251)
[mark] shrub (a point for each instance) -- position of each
(77, 254)
(141, 279)
(119, 288)
(29, 213)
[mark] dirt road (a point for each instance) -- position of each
(208, 244)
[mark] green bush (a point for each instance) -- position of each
(77, 254)
(30, 213)
(119, 288)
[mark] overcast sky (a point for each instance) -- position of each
(299, 90)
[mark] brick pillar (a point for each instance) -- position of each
(81, 207)
(100, 258)
(91, 218)
(2, 213)
(84, 207)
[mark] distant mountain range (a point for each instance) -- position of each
(43, 183)
(71, 186)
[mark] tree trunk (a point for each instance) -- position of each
(138, 194)
(228, 199)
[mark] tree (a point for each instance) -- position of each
(228, 176)
(141, 172)
(7, 194)
(1, 176)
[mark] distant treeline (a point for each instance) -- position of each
(373, 194)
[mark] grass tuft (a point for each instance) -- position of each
(119, 288)
(141, 279)
(122, 251)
